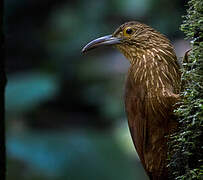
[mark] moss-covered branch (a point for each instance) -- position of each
(186, 146)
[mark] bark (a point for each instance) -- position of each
(2, 98)
(185, 150)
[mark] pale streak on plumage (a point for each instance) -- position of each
(141, 77)
(135, 73)
(161, 81)
(164, 59)
(131, 49)
(145, 66)
(169, 52)
(172, 58)
(166, 46)
(155, 50)
(170, 74)
(134, 54)
(147, 83)
(138, 56)
(140, 63)
(145, 74)
(142, 51)
(157, 82)
(166, 93)
(152, 54)
(152, 76)
(165, 75)
(174, 70)
(144, 58)
(159, 57)
(166, 52)
(154, 62)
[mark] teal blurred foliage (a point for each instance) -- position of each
(63, 108)
(26, 90)
(73, 155)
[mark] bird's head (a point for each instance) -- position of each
(152, 57)
(131, 38)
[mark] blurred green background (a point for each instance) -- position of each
(64, 111)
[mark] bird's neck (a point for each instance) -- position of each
(155, 69)
(154, 79)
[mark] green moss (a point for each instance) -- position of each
(185, 148)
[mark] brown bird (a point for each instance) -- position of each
(152, 89)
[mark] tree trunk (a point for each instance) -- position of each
(2, 99)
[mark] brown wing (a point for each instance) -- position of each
(136, 121)
(148, 128)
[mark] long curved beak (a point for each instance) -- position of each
(105, 40)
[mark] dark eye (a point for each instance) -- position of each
(129, 31)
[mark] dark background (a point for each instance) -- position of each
(65, 115)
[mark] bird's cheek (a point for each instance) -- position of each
(123, 50)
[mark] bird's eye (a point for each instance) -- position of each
(128, 31)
